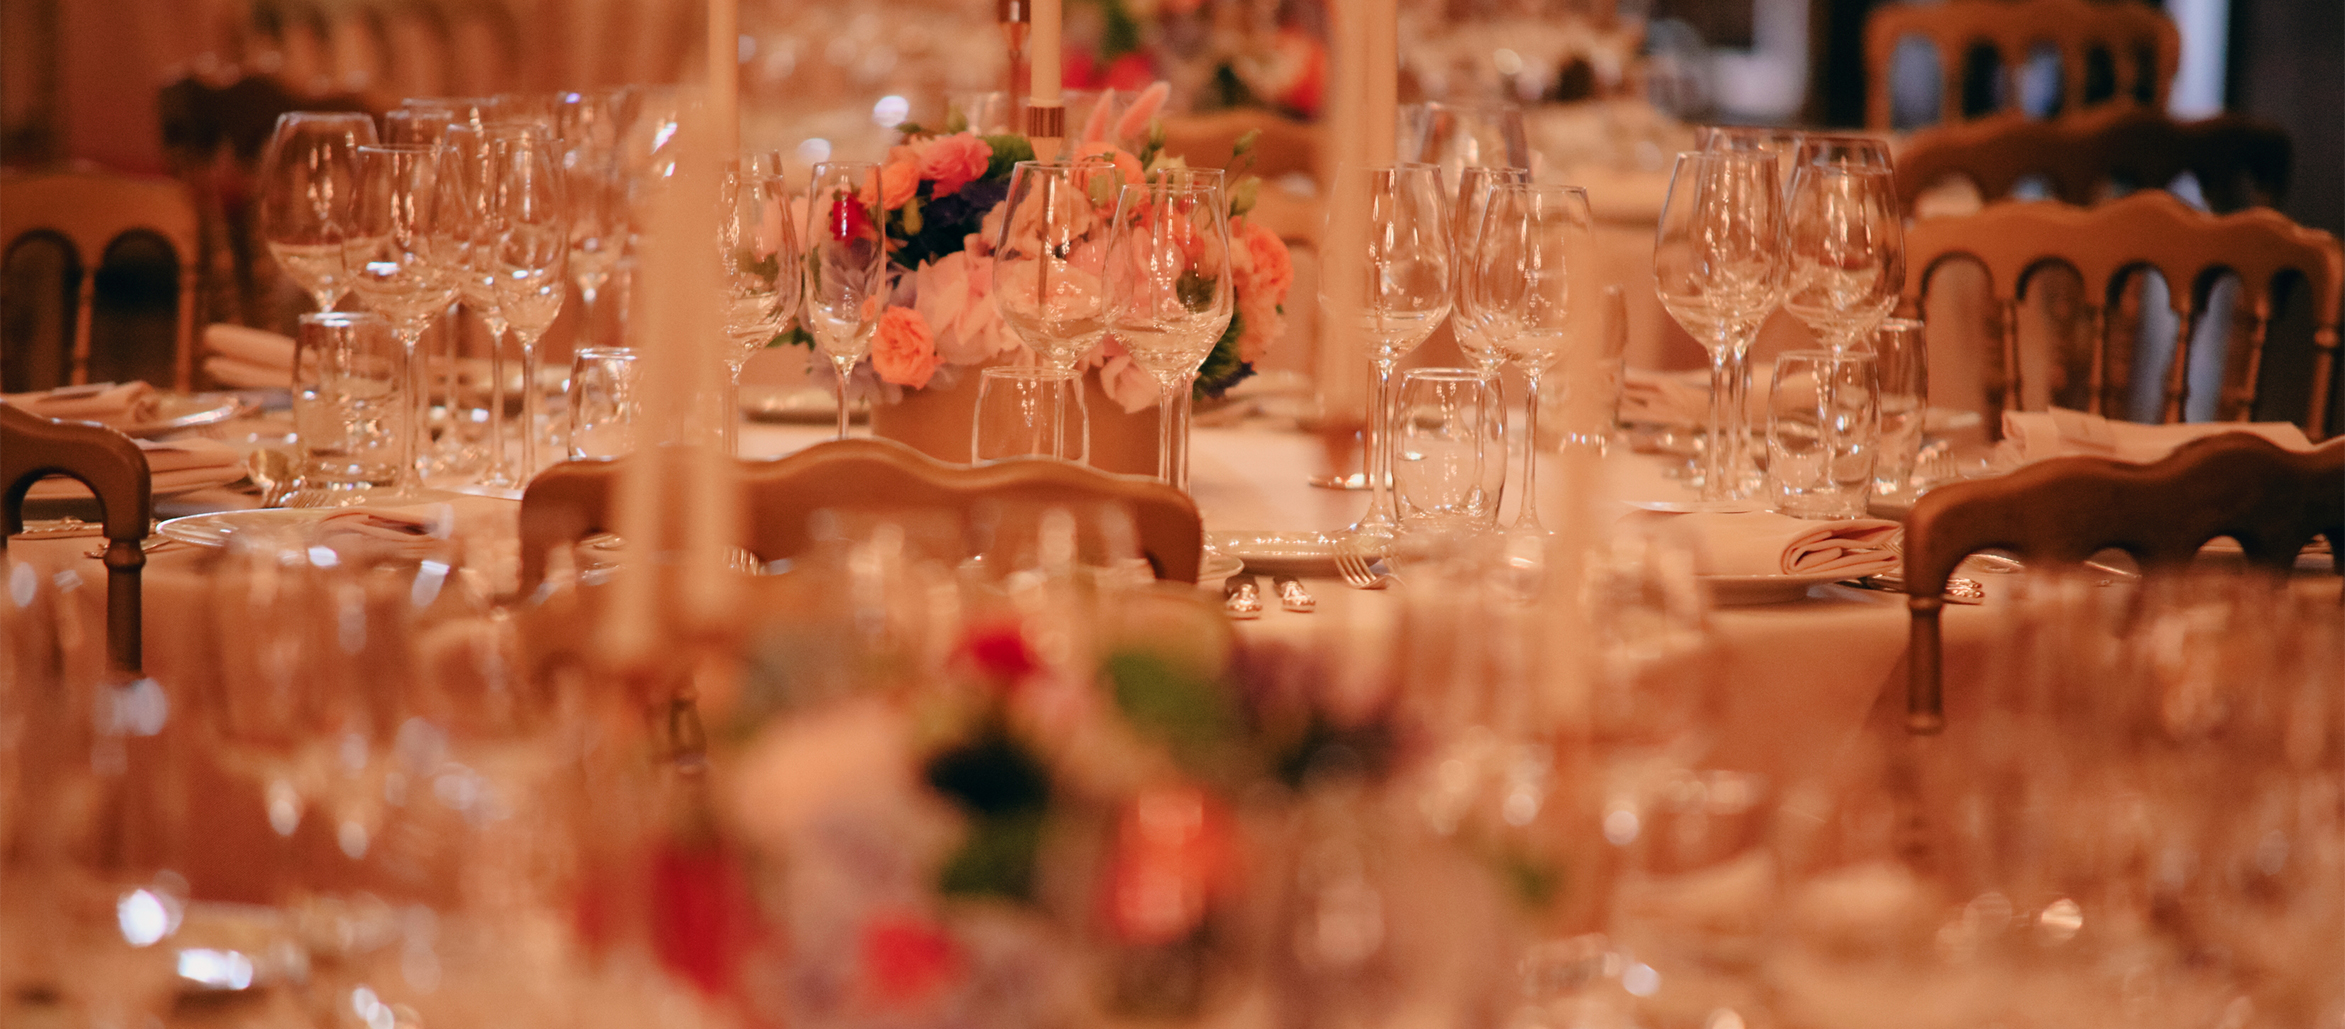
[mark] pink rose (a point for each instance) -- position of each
(1263, 265)
(1095, 126)
(953, 162)
(954, 295)
(897, 182)
(1134, 124)
(902, 351)
(1124, 382)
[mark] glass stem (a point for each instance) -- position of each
(410, 449)
(500, 470)
(1526, 517)
(1164, 433)
(1184, 403)
(1723, 450)
(533, 402)
(730, 417)
(586, 313)
(845, 367)
(1380, 446)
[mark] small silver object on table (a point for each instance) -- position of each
(1242, 598)
(1292, 596)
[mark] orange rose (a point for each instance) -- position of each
(903, 351)
(897, 182)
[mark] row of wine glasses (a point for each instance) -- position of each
(1736, 240)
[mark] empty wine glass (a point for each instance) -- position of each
(1473, 197)
(1404, 295)
(308, 178)
(846, 266)
(1169, 296)
(1844, 242)
(758, 244)
(401, 254)
(1048, 255)
(472, 167)
(1460, 136)
(1845, 151)
(1717, 264)
(1518, 287)
(1784, 144)
(533, 250)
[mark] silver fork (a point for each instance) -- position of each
(1359, 569)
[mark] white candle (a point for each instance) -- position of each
(1045, 48)
(1380, 65)
(724, 73)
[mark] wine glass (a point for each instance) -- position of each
(472, 167)
(308, 177)
(1786, 145)
(1473, 197)
(401, 254)
(1717, 266)
(533, 250)
(1518, 287)
(846, 266)
(758, 244)
(1844, 245)
(1845, 151)
(1457, 137)
(1405, 293)
(1169, 297)
(1048, 255)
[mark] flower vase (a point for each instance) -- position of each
(937, 421)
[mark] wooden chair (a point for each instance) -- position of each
(2134, 47)
(33, 448)
(2065, 510)
(2106, 243)
(2237, 161)
(89, 212)
(574, 499)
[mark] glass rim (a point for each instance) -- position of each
(1901, 324)
(325, 116)
(1035, 373)
(1726, 156)
(401, 148)
(1448, 374)
(340, 318)
(1821, 354)
(608, 352)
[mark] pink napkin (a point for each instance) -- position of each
(174, 467)
(116, 404)
(246, 358)
(2059, 432)
(1766, 543)
(395, 528)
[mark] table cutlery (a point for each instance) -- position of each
(1292, 596)
(1242, 598)
(1362, 570)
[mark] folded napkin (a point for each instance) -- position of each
(421, 527)
(174, 467)
(246, 358)
(2059, 432)
(117, 404)
(1766, 543)
(1682, 399)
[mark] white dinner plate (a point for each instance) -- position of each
(1745, 590)
(218, 528)
(176, 412)
(1274, 553)
(58, 487)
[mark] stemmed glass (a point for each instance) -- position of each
(307, 180)
(758, 245)
(1517, 286)
(1844, 241)
(1169, 297)
(1458, 137)
(532, 264)
(1717, 265)
(1047, 260)
(846, 266)
(1473, 197)
(1844, 151)
(401, 254)
(1404, 296)
(473, 168)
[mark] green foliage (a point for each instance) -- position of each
(793, 336)
(1191, 713)
(1008, 149)
(997, 859)
(1119, 32)
(1223, 367)
(1195, 291)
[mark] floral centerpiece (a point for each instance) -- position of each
(941, 193)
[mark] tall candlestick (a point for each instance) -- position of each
(1016, 17)
(724, 73)
(1046, 118)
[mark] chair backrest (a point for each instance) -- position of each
(2138, 42)
(89, 211)
(2237, 161)
(2065, 510)
(33, 448)
(575, 499)
(2105, 244)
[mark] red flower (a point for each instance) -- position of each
(1000, 652)
(906, 960)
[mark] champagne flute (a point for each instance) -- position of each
(1518, 287)
(1473, 197)
(1048, 256)
(308, 177)
(1169, 297)
(758, 246)
(1717, 266)
(399, 252)
(1405, 293)
(1844, 245)
(846, 266)
(533, 250)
